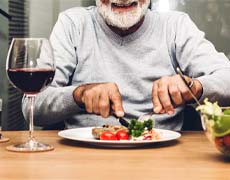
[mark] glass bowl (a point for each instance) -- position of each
(217, 129)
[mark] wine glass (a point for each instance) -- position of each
(2, 138)
(30, 68)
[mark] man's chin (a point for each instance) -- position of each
(122, 24)
(125, 20)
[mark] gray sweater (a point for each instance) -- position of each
(87, 51)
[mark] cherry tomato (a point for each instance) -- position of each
(122, 135)
(108, 136)
(219, 141)
(227, 140)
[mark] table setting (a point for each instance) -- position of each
(138, 149)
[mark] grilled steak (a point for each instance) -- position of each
(98, 130)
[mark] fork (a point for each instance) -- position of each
(146, 116)
(179, 72)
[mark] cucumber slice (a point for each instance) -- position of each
(221, 127)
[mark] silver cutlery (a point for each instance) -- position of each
(179, 72)
(121, 120)
(146, 116)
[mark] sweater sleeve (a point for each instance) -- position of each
(56, 103)
(199, 59)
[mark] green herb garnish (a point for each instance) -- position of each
(136, 128)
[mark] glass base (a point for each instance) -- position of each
(4, 139)
(31, 145)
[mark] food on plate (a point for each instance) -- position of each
(216, 122)
(122, 135)
(98, 131)
(137, 130)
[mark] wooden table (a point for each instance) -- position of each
(190, 157)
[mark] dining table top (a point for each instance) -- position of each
(191, 156)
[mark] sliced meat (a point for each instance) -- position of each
(98, 130)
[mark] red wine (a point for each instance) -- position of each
(31, 81)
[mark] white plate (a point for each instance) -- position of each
(85, 135)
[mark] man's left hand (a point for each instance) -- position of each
(170, 92)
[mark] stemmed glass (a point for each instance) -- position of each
(30, 68)
(2, 138)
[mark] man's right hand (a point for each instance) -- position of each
(99, 98)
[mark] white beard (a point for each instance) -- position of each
(122, 20)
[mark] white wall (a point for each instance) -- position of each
(43, 15)
(66, 4)
(40, 18)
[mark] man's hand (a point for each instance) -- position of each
(99, 98)
(169, 92)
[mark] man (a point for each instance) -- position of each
(116, 58)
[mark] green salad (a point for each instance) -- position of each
(219, 119)
(136, 128)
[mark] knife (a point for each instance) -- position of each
(121, 120)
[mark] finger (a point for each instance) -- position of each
(175, 94)
(164, 97)
(157, 107)
(87, 99)
(95, 103)
(104, 105)
(117, 107)
(184, 91)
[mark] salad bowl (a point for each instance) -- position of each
(216, 124)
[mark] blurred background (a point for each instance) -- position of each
(36, 18)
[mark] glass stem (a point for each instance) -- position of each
(31, 99)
